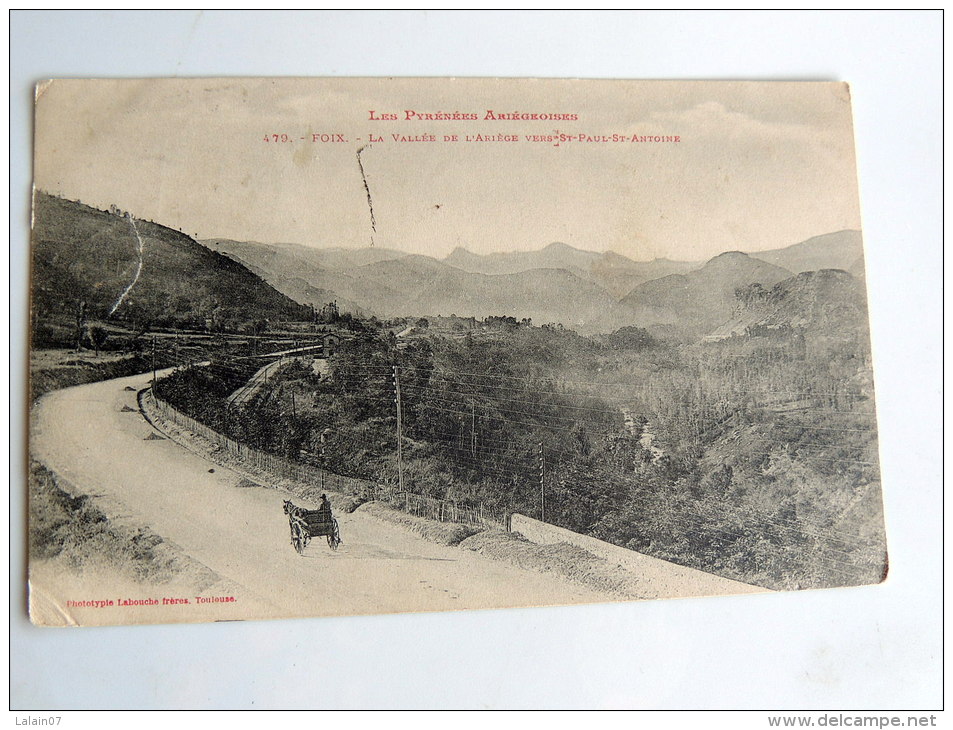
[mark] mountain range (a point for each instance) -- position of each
(616, 274)
(135, 270)
(585, 290)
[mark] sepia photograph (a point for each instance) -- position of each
(311, 347)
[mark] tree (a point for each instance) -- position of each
(97, 336)
(631, 338)
(329, 313)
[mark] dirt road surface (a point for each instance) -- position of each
(95, 437)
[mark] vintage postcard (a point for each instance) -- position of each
(323, 347)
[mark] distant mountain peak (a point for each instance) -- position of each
(839, 250)
(732, 260)
(728, 255)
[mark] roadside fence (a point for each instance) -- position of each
(440, 509)
(435, 509)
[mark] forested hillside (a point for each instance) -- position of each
(754, 456)
(114, 266)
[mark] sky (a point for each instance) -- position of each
(756, 166)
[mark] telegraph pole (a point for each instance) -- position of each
(400, 455)
(153, 363)
(542, 489)
(472, 429)
(324, 466)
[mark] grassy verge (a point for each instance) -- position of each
(566, 560)
(73, 532)
(82, 370)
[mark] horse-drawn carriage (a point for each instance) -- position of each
(308, 523)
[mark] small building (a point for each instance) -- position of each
(330, 341)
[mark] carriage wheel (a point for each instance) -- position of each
(334, 538)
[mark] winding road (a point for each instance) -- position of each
(95, 437)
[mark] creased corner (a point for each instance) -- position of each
(41, 88)
(45, 610)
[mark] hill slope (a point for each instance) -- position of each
(288, 259)
(419, 285)
(301, 272)
(828, 302)
(702, 299)
(134, 270)
(841, 250)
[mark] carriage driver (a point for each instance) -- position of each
(325, 503)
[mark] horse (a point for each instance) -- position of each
(306, 524)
